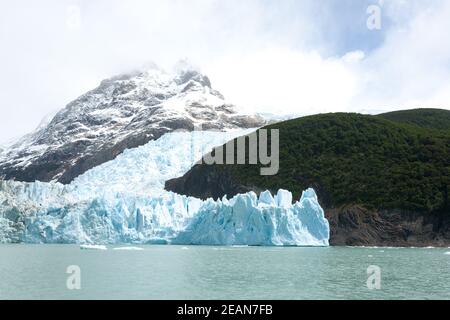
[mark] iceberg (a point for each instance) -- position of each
(128, 249)
(123, 201)
(93, 247)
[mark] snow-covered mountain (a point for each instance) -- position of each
(103, 162)
(124, 112)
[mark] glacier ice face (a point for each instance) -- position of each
(115, 219)
(123, 201)
(245, 220)
(172, 218)
(148, 167)
(283, 198)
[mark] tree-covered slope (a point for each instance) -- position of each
(437, 119)
(382, 180)
(349, 159)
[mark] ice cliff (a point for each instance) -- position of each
(267, 221)
(123, 201)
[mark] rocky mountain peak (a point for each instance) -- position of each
(124, 111)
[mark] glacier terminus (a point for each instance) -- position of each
(124, 201)
(95, 173)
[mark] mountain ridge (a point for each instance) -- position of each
(125, 111)
(431, 118)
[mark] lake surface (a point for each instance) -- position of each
(190, 272)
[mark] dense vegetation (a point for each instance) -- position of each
(437, 119)
(401, 163)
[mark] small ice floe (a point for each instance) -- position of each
(128, 248)
(448, 253)
(184, 248)
(92, 247)
(370, 256)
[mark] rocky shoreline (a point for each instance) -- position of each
(358, 226)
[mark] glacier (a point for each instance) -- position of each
(123, 201)
(123, 112)
(267, 221)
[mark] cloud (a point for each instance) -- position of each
(55, 50)
(411, 68)
(274, 56)
(285, 81)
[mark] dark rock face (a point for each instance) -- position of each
(124, 112)
(351, 225)
(356, 226)
(206, 182)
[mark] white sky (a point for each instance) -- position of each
(288, 56)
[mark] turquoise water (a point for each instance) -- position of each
(188, 272)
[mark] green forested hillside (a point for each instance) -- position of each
(437, 119)
(360, 159)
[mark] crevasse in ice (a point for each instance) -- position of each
(123, 201)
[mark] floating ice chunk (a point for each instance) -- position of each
(92, 247)
(128, 249)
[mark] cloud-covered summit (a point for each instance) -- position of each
(297, 57)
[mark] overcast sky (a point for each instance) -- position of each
(280, 56)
